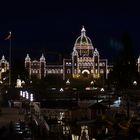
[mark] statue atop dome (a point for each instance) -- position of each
(83, 31)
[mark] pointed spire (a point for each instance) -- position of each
(96, 53)
(83, 31)
(74, 53)
(27, 56)
(42, 55)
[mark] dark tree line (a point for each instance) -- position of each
(125, 68)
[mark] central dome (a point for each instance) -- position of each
(83, 42)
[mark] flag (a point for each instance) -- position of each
(8, 37)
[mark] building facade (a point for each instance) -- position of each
(85, 63)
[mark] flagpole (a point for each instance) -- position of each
(10, 43)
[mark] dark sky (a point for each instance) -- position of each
(46, 26)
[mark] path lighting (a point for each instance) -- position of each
(61, 89)
(68, 82)
(92, 83)
(27, 95)
(21, 93)
(102, 89)
(134, 83)
(31, 97)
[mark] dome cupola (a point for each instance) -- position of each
(83, 39)
(42, 58)
(83, 44)
(27, 58)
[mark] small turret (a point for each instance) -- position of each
(28, 64)
(27, 58)
(96, 53)
(42, 67)
(3, 58)
(42, 58)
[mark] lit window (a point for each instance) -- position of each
(61, 71)
(101, 64)
(101, 71)
(96, 71)
(2, 70)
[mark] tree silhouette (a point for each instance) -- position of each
(125, 71)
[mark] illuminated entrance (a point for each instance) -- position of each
(85, 73)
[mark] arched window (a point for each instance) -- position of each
(68, 71)
(101, 71)
(61, 71)
(75, 71)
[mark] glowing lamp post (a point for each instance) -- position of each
(26, 95)
(23, 94)
(135, 83)
(31, 97)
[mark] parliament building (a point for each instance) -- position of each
(85, 63)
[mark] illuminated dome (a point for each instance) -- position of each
(83, 42)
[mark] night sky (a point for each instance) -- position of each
(53, 26)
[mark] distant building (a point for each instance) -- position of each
(4, 67)
(85, 63)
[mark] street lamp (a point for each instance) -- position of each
(135, 83)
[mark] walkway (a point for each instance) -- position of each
(9, 114)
